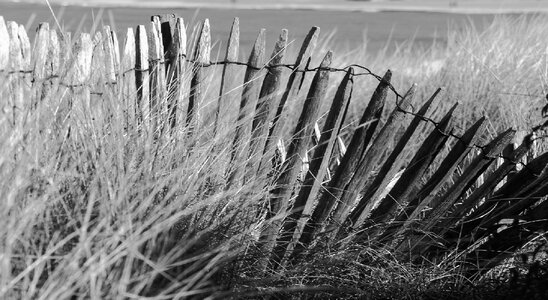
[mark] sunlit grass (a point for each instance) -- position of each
(99, 206)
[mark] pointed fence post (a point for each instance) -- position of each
(265, 110)
(201, 58)
(441, 205)
(349, 164)
(319, 164)
(398, 197)
(373, 188)
(371, 158)
(78, 77)
(445, 171)
(227, 95)
(302, 136)
(157, 74)
(510, 200)
(39, 61)
(4, 47)
(487, 187)
(98, 65)
(293, 87)
(128, 80)
(111, 60)
(250, 95)
(15, 106)
(176, 56)
(142, 79)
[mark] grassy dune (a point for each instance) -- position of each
(95, 206)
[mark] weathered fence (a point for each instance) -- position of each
(361, 193)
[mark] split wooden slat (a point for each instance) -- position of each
(111, 61)
(446, 169)
(359, 142)
(40, 50)
(24, 77)
(39, 61)
(227, 96)
(157, 72)
(54, 55)
(128, 86)
(372, 191)
(302, 136)
(347, 168)
(293, 87)
(53, 72)
(487, 187)
(98, 63)
(267, 105)
(468, 177)
(142, 79)
(176, 56)
(410, 180)
(16, 62)
(4, 47)
(53, 65)
(80, 70)
(115, 52)
(25, 47)
(79, 76)
(15, 51)
(318, 166)
(201, 58)
(250, 95)
(370, 159)
(65, 44)
(166, 23)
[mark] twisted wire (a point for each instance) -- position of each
(364, 71)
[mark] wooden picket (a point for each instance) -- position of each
(372, 191)
(250, 96)
(317, 169)
(422, 199)
(228, 82)
(294, 84)
(322, 191)
(268, 103)
(201, 57)
(345, 170)
(409, 181)
(301, 139)
(142, 74)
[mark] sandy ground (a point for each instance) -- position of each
(448, 6)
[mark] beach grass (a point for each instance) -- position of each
(97, 206)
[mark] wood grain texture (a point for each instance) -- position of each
(302, 137)
(267, 105)
(318, 167)
(227, 94)
(348, 164)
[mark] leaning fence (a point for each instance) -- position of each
(324, 191)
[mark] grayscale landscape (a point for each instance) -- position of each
(289, 149)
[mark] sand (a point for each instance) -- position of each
(445, 6)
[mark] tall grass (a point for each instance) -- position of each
(97, 206)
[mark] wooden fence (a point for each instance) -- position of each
(416, 211)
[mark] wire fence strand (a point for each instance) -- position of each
(364, 71)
